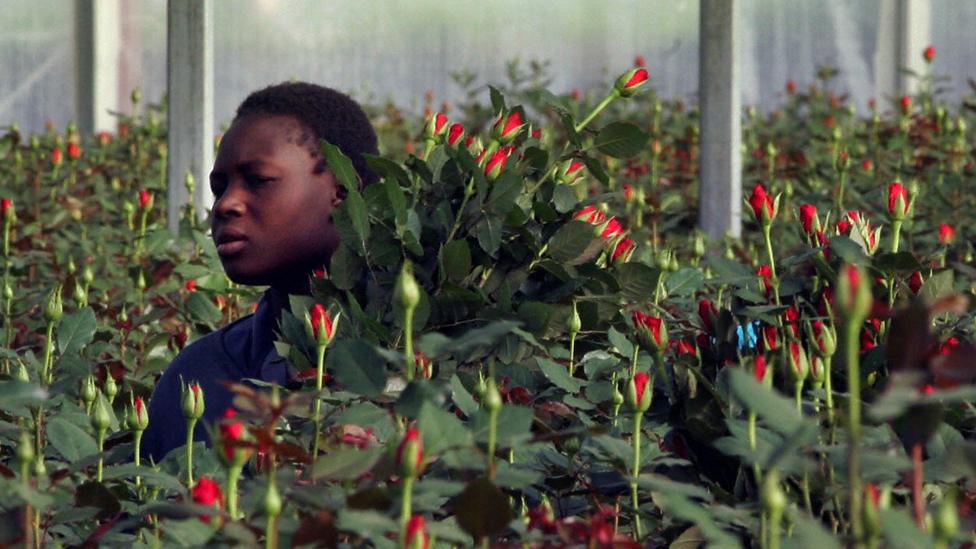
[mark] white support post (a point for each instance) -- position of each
(914, 33)
(189, 78)
(98, 38)
(904, 30)
(720, 201)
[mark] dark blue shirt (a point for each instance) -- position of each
(241, 350)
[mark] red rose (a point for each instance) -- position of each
(929, 54)
(410, 453)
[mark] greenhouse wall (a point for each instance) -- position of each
(399, 50)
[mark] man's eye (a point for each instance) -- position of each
(217, 189)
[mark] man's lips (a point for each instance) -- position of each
(230, 242)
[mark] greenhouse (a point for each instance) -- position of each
(628, 273)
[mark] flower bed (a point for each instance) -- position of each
(521, 340)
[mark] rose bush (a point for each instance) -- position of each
(512, 281)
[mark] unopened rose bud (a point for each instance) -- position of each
(928, 54)
(507, 128)
(455, 134)
(898, 201)
(320, 325)
(945, 523)
(138, 417)
(20, 372)
(54, 309)
(415, 533)
(145, 200)
(232, 430)
(629, 83)
(763, 205)
(410, 454)
(101, 415)
(272, 500)
(136, 96)
(192, 399)
(570, 171)
(407, 290)
(853, 295)
(436, 127)
(798, 367)
(25, 447)
(640, 392)
(110, 388)
(652, 333)
(773, 498)
(574, 323)
(492, 398)
(496, 164)
(189, 183)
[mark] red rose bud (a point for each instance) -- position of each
(628, 83)
(416, 536)
(708, 313)
(192, 400)
(321, 323)
(799, 367)
(191, 285)
(612, 229)
(790, 87)
(792, 315)
(410, 454)
(763, 205)
(537, 133)
(685, 347)
(590, 214)
(436, 127)
(928, 54)
(138, 417)
(628, 191)
(770, 337)
(145, 200)
(6, 209)
(853, 296)
(765, 274)
(623, 250)
(207, 492)
(74, 151)
(455, 134)
(640, 392)
(639, 61)
(947, 234)
(809, 219)
(898, 201)
(906, 104)
(57, 157)
(761, 371)
(424, 365)
(570, 171)
(867, 165)
(233, 431)
(824, 337)
(652, 333)
(915, 282)
(507, 128)
(496, 164)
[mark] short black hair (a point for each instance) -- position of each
(324, 113)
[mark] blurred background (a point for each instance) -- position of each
(378, 50)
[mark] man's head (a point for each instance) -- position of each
(274, 193)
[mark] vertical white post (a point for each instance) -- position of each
(904, 30)
(720, 207)
(189, 80)
(98, 36)
(914, 31)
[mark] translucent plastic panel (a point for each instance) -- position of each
(384, 49)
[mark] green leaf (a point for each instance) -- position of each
(470, 507)
(497, 100)
(341, 167)
(809, 533)
(705, 528)
(778, 412)
(620, 342)
(504, 191)
(357, 366)
(685, 282)
(559, 375)
(456, 258)
(441, 429)
(569, 125)
(574, 243)
(71, 441)
(397, 200)
(901, 261)
(76, 331)
(386, 168)
(621, 140)
(938, 285)
(462, 398)
(16, 394)
(346, 463)
(149, 476)
(637, 281)
(201, 309)
(355, 206)
(369, 524)
(848, 250)
(514, 424)
(345, 269)
(900, 531)
(489, 233)
(437, 345)
(564, 198)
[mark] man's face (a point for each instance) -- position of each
(272, 215)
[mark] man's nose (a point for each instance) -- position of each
(232, 201)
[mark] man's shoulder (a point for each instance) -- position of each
(211, 347)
